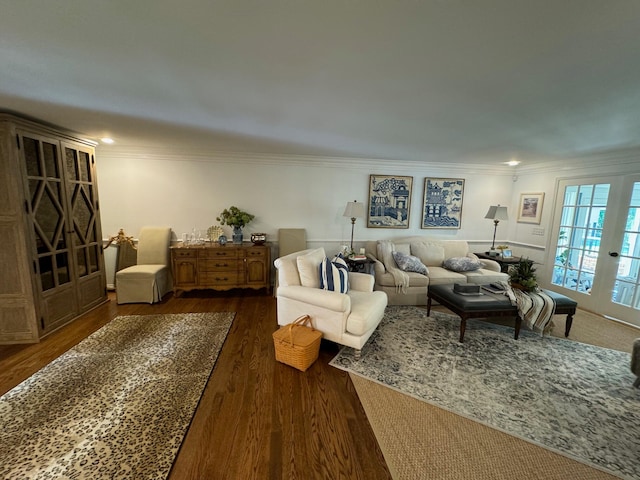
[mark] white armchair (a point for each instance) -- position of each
(348, 319)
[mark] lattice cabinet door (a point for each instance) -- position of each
(50, 229)
(84, 220)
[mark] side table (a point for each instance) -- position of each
(361, 266)
(505, 263)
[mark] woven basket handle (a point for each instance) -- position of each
(302, 321)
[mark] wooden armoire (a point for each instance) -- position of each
(51, 259)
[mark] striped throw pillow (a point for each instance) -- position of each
(334, 275)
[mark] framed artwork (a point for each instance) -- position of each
(442, 207)
(507, 254)
(530, 208)
(389, 201)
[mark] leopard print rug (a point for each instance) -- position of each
(115, 406)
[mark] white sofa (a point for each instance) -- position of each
(345, 318)
(432, 253)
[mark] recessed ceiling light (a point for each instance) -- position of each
(107, 140)
(513, 163)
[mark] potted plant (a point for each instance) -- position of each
(522, 275)
(236, 218)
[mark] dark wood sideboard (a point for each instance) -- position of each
(220, 267)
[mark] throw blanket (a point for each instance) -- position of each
(535, 308)
(385, 254)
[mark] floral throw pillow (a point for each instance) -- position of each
(409, 263)
(462, 264)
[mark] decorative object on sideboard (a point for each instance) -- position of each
(222, 240)
(496, 213)
(258, 238)
(237, 219)
(214, 232)
(353, 210)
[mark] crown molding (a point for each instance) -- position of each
(342, 163)
(623, 157)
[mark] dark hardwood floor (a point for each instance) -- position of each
(257, 418)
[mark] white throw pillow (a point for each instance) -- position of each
(308, 266)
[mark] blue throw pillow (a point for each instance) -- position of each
(409, 263)
(334, 275)
(462, 264)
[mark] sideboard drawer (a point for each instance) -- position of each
(219, 278)
(184, 253)
(255, 252)
(219, 264)
(210, 253)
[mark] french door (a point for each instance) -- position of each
(596, 250)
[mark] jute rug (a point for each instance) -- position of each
(115, 406)
(571, 398)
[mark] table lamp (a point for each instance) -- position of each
(496, 213)
(354, 210)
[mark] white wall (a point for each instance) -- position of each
(187, 192)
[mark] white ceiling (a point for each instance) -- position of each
(471, 81)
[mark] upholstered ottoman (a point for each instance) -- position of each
(490, 305)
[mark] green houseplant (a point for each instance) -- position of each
(522, 275)
(237, 219)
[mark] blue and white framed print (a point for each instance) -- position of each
(389, 201)
(442, 207)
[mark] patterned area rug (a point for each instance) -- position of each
(572, 398)
(117, 405)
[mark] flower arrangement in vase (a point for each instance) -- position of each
(237, 219)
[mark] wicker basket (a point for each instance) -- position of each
(297, 344)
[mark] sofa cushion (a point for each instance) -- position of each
(462, 264)
(429, 253)
(308, 265)
(439, 275)
(409, 263)
(334, 275)
(415, 279)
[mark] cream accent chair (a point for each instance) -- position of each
(348, 319)
(150, 279)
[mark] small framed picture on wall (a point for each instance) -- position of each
(530, 207)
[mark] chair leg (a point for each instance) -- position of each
(357, 354)
(637, 383)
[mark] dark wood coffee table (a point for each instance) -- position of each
(492, 305)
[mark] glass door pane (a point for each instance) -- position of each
(626, 291)
(581, 225)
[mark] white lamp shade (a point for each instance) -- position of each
(354, 210)
(496, 212)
